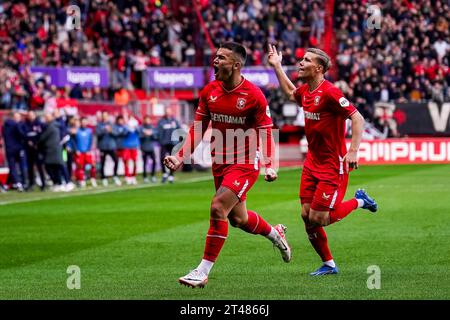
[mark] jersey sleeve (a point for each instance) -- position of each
(263, 118)
(202, 109)
(339, 103)
(298, 95)
(197, 129)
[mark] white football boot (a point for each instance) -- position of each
(282, 244)
(194, 279)
(117, 181)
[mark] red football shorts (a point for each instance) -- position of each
(128, 154)
(237, 178)
(119, 153)
(324, 191)
(81, 161)
(84, 158)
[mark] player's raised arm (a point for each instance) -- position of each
(286, 84)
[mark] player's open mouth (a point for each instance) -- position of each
(216, 70)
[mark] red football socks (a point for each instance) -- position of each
(319, 241)
(256, 224)
(217, 234)
(342, 210)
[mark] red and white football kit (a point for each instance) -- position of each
(324, 179)
(236, 117)
(240, 114)
(82, 159)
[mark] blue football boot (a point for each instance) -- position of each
(369, 203)
(324, 270)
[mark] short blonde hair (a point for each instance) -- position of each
(323, 59)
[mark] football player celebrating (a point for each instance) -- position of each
(328, 163)
(238, 109)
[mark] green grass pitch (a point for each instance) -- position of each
(134, 243)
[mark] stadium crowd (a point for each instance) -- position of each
(127, 36)
(405, 59)
(61, 149)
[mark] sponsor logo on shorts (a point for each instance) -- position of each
(326, 197)
(236, 183)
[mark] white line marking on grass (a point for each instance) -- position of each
(80, 193)
(92, 191)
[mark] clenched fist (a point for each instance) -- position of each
(172, 162)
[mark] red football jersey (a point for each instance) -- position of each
(326, 110)
(235, 116)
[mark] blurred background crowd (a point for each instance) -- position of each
(406, 59)
(388, 51)
(65, 152)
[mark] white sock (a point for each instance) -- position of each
(330, 263)
(273, 235)
(360, 203)
(205, 266)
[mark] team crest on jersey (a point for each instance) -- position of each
(344, 102)
(316, 100)
(240, 103)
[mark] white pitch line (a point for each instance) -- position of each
(89, 192)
